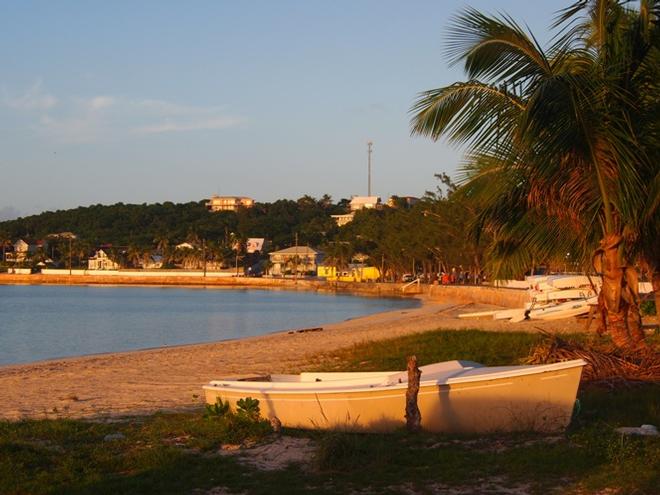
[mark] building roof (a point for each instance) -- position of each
(184, 245)
(362, 202)
(297, 250)
(365, 199)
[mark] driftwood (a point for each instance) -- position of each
(413, 416)
(603, 363)
(306, 330)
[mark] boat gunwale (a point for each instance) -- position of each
(253, 387)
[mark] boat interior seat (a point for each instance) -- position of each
(432, 371)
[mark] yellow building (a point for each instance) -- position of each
(354, 273)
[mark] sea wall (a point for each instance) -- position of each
(514, 298)
(483, 294)
(181, 278)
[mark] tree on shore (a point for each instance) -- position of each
(562, 143)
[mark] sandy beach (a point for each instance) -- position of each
(171, 378)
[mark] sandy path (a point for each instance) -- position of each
(168, 378)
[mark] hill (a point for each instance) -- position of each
(146, 225)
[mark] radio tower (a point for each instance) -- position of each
(369, 145)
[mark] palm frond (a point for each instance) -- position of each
(496, 49)
(472, 112)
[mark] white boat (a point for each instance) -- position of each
(479, 314)
(454, 397)
(564, 310)
(559, 295)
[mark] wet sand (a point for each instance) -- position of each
(170, 378)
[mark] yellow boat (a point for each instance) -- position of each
(454, 397)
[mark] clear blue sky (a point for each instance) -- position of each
(138, 102)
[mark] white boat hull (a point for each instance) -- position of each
(458, 399)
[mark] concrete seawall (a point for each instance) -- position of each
(510, 298)
(513, 298)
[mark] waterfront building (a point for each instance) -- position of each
(101, 261)
(22, 250)
(355, 272)
(297, 260)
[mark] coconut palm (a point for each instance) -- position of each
(562, 143)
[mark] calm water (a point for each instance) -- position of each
(43, 322)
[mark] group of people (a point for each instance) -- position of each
(460, 276)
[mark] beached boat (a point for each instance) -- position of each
(454, 397)
(563, 310)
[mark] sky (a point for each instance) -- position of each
(152, 101)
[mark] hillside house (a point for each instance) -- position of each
(229, 203)
(357, 203)
(364, 202)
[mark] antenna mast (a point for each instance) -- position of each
(369, 145)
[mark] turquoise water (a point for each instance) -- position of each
(44, 322)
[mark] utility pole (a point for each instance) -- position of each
(369, 145)
(70, 239)
(204, 255)
(295, 261)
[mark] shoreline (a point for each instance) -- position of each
(170, 378)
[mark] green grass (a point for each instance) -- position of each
(488, 348)
(177, 453)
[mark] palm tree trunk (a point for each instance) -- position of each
(656, 290)
(619, 295)
(610, 296)
(631, 300)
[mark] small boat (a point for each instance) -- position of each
(563, 310)
(454, 397)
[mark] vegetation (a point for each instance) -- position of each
(562, 142)
(424, 238)
(159, 227)
(178, 453)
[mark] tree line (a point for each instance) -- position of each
(426, 237)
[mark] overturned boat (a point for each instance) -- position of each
(454, 397)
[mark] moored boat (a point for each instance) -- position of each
(454, 397)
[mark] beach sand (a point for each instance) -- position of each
(170, 378)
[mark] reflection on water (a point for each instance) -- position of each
(42, 322)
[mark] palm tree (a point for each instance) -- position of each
(562, 143)
(135, 256)
(5, 242)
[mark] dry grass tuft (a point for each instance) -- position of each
(604, 362)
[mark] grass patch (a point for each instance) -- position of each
(163, 453)
(487, 348)
(177, 453)
(589, 457)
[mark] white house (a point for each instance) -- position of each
(357, 203)
(229, 203)
(101, 261)
(297, 260)
(342, 220)
(22, 250)
(364, 202)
